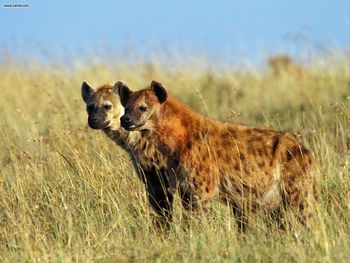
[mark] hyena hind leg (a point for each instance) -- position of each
(241, 217)
(193, 206)
(301, 201)
(298, 184)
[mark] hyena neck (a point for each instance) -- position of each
(169, 128)
(177, 125)
(122, 137)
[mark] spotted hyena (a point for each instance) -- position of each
(104, 112)
(249, 168)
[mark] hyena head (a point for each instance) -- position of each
(141, 106)
(103, 105)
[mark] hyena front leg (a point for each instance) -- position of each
(160, 195)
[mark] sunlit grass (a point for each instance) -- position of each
(69, 194)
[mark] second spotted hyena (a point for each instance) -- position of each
(104, 112)
(251, 169)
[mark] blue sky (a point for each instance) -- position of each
(215, 28)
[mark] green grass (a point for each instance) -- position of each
(68, 194)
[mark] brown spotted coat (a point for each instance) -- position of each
(249, 168)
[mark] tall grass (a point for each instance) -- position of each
(68, 194)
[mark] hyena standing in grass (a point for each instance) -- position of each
(251, 169)
(104, 112)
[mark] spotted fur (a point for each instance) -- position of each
(249, 168)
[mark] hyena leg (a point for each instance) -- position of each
(192, 205)
(191, 202)
(298, 183)
(276, 218)
(241, 217)
(300, 205)
(160, 196)
(300, 197)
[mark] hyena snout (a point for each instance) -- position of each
(127, 122)
(94, 122)
(125, 119)
(97, 122)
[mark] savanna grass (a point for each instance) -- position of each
(68, 194)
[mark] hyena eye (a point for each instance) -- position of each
(143, 108)
(107, 107)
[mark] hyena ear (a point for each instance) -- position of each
(159, 90)
(86, 91)
(124, 92)
(118, 85)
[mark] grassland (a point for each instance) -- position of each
(67, 194)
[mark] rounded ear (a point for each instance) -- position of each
(159, 90)
(124, 92)
(118, 85)
(87, 91)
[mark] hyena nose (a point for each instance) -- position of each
(125, 119)
(95, 120)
